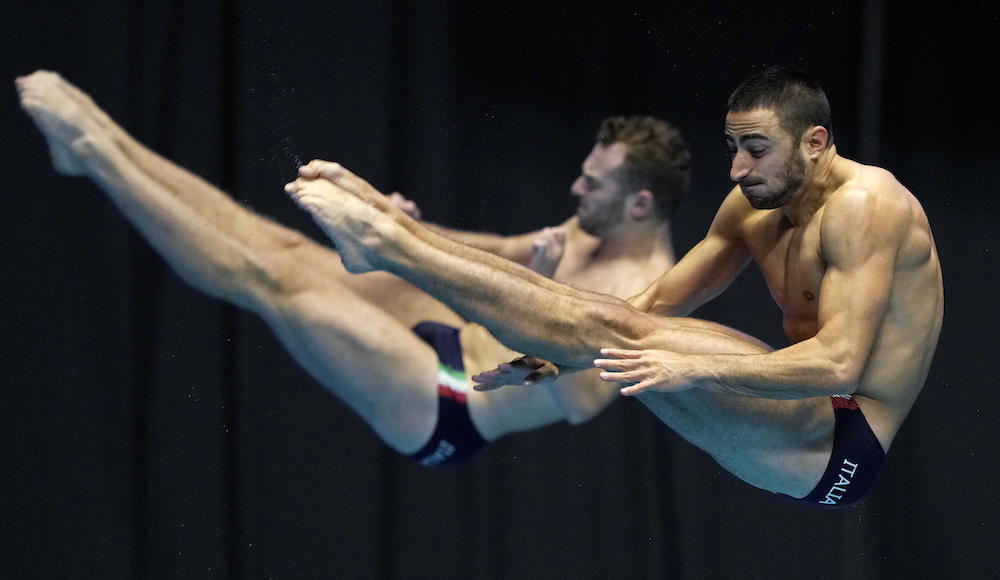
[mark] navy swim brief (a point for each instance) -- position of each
(854, 461)
(455, 437)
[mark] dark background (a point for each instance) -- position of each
(151, 432)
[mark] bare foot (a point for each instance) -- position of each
(355, 215)
(54, 109)
(90, 109)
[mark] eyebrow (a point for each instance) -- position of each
(749, 137)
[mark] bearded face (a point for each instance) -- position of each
(599, 189)
(766, 160)
(766, 192)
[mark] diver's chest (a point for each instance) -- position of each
(792, 264)
(622, 279)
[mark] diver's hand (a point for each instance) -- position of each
(547, 251)
(524, 371)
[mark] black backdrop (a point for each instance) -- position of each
(151, 432)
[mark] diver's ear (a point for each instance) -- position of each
(816, 139)
(640, 204)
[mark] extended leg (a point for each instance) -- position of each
(366, 357)
(394, 295)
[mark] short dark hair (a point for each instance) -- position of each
(657, 158)
(794, 96)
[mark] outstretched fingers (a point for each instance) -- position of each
(525, 371)
(621, 360)
(625, 367)
(660, 370)
(492, 379)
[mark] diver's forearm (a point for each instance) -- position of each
(802, 370)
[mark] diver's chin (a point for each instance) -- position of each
(758, 201)
(588, 227)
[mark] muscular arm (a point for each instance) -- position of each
(861, 234)
(517, 248)
(706, 270)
